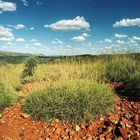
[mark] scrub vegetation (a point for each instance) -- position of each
(78, 87)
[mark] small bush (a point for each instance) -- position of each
(6, 99)
(72, 102)
(134, 83)
(120, 69)
(30, 65)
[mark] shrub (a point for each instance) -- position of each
(72, 102)
(30, 65)
(6, 99)
(120, 69)
(134, 83)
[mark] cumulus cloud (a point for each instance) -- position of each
(127, 22)
(20, 40)
(18, 26)
(75, 24)
(80, 38)
(32, 28)
(7, 6)
(120, 42)
(120, 36)
(57, 41)
(25, 2)
(37, 44)
(85, 35)
(136, 38)
(6, 34)
(107, 40)
(33, 40)
(130, 42)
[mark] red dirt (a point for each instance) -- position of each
(124, 124)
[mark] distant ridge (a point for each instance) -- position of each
(14, 54)
(14, 57)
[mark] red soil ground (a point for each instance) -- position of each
(124, 124)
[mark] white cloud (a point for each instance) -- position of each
(85, 35)
(120, 42)
(136, 38)
(33, 40)
(127, 22)
(6, 34)
(20, 40)
(10, 43)
(32, 28)
(7, 6)
(75, 24)
(57, 41)
(18, 26)
(68, 46)
(132, 40)
(25, 2)
(107, 40)
(79, 38)
(120, 36)
(37, 44)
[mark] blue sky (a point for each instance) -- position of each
(65, 27)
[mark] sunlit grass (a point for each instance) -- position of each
(77, 101)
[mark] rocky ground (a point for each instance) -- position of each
(123, 124)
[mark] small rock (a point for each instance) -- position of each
(138, 127)
(56, 120)
(122, 124)
(82, 126)
(77, 128)
(109, 129)
(102, 137)
(136, 119)
(102, 119)
(24, 115)
(119, 138)
(114, 119)
(127, 121)
(0, 116)
(128, 126)
(124, 133)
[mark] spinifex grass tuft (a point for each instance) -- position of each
(72, 102)
(6, 97)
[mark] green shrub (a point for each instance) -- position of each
(134, 83)
(120, 69)
(6, 99)
(30, 65)
(72, 102)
